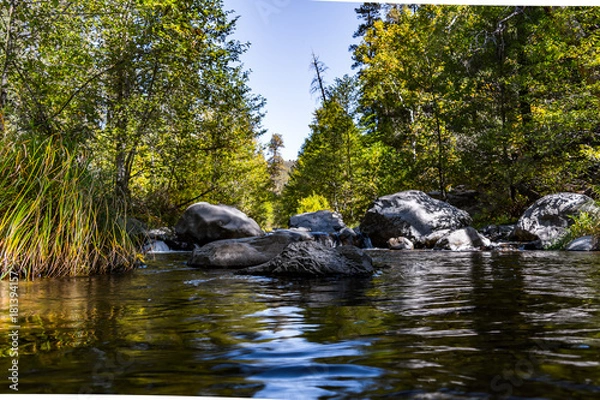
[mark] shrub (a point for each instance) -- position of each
(312, 203)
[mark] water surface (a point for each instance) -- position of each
(429, 325)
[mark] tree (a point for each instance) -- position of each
(330, 163)
(276, 163)
(407, 86)
(318, 84)
(369, 13)
(498, 98)
(531, 108)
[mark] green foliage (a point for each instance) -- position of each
(312, 203)
(54, 220)
(151, 93)
(502, 99)
(586, 223)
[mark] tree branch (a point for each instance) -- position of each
(212, 188)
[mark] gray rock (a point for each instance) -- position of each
(355, 237)
(324, 238)
(311, 259)
(168, 236)
(585, 243)
(156, 246)
(161, 234)
(549, 218)
(318, 221)
(465, 239)
(246, 252)
(203, 223)
(400, 243)
(497, 232)
(431, 240)
(347, 237)
(411, 214)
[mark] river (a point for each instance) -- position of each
(430, 325)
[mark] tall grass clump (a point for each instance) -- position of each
(54, 220)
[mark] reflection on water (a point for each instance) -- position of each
(288, 364)
(433, 324)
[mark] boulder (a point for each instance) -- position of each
(203, 223)
(319, 221)
(400, 243)
(246, 252)
(134, 227)
(411, 214)
(311, 259)
(326, 239)
(465, 239)
(549, 218)
(585, 243)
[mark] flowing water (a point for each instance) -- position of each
(428, 325)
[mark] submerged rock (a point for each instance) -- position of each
(411, 214)
(549, 218)
(203, 223)
(319, 221)
(242, 253)
(311, 259)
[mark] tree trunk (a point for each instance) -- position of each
(441, 166)
(319, 68)
(8, 45)
(121, 122)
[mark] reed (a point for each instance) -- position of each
(54, 219)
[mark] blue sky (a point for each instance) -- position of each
(283, 33)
